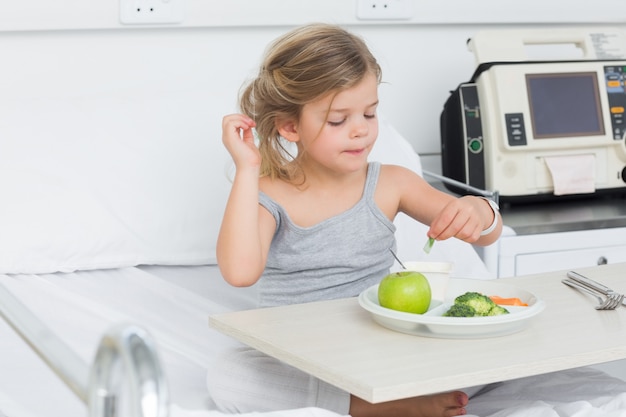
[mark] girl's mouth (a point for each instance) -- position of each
(355, 151)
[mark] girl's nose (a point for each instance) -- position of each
(359, 129)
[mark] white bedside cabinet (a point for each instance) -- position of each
(544, 252)
(551, 236)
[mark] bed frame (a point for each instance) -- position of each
(124, 348)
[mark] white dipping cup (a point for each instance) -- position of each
(437, 274)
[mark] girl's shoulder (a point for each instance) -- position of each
(397, 171)
(397, 176)
(267, 183)
(277, 189)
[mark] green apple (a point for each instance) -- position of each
(407, 291)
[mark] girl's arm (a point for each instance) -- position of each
(242, 243)
(464, 218)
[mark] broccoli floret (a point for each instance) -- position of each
(498, 310)
(479, 302)
(473, 304)
(460, 310)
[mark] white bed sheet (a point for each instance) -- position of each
(173, 304)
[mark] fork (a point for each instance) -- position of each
(596, 286)
(611, 302)
(617, 297)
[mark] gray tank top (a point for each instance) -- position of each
(336, 258)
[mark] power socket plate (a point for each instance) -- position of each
(137, 12)
(384, 9)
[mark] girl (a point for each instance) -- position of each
(318, 224)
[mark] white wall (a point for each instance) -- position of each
(72, 70)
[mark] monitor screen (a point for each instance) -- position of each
(564, 105)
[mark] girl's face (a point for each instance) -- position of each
(340, 139)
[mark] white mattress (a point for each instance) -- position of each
(173, 304)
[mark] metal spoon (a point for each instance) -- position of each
(397, 259)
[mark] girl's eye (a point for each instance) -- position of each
(339, 123)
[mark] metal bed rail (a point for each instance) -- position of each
(493, 195)
(127, 355)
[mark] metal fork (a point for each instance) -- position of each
(596, 286)
(616, 297)
(611, 302)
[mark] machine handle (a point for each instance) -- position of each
(510, 45)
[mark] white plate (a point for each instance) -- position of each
(433, 324)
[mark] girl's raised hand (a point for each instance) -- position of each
(238, 137)
(462, 218)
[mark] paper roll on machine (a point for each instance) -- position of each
(499, 129)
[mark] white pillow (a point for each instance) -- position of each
(91, 181)
(109, 202)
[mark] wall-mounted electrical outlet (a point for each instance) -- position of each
(151, 11)
(384, 9)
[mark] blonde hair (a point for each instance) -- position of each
(301, 66)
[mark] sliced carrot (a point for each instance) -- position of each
(512, 301)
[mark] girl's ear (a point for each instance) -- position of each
(288, 130)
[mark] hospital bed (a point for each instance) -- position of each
(107, 240)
